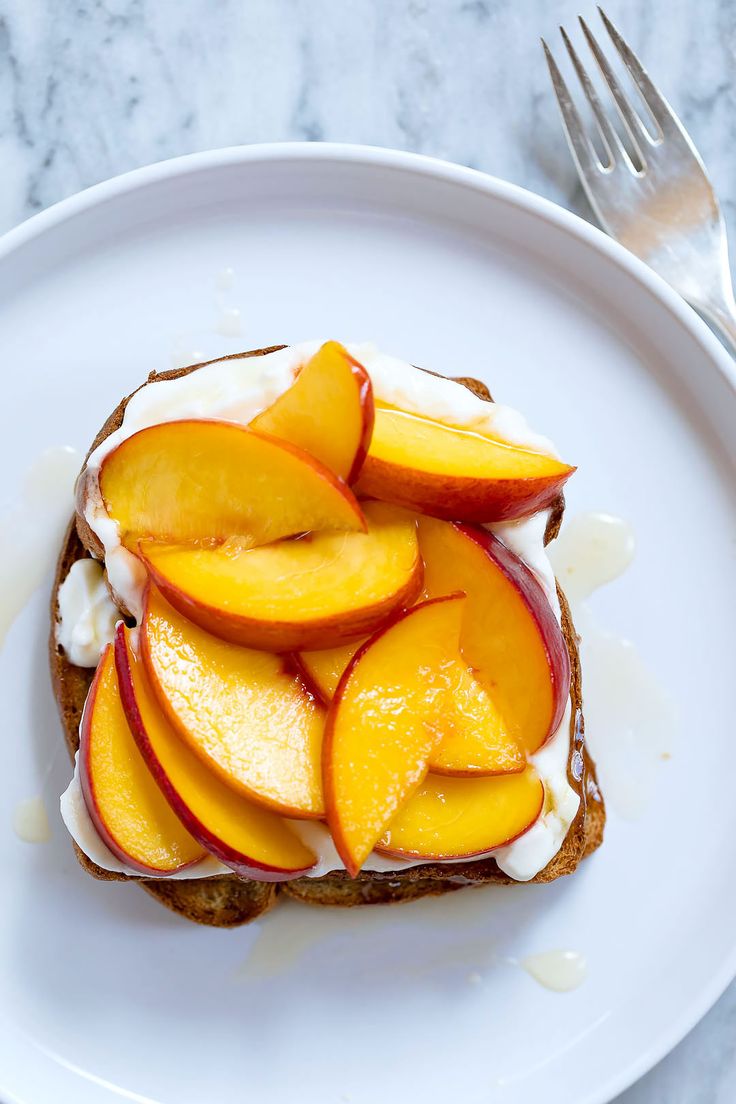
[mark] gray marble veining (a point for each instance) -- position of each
(92, 88)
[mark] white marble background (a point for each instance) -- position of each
(92, 88)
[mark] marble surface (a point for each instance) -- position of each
(92, 88)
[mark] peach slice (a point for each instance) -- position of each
(385, 722)
(328, 411)
(323, 669)
(252, 841)
(455, 473)
(315, 591)
(213, 481)
(126, 806)
(242, 711)
(461, 818)
(401, 696)
(476, 741)
(510, 636)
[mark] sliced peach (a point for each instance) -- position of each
(328, 411)
(242, 711)
(510, 635)
(126, 806)
(461, 818)
(323, 669)
(315, 591)
(252, 841)
(211, 481)
(395, 704)
(384, 723)
(455, 473)
(476, 740)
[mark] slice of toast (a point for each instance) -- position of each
(229, 900)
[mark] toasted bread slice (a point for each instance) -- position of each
(229, 900)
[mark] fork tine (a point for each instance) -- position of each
(582, 151)
(634, 126)
(608, 134)
(661, 111)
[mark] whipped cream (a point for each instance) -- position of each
(237, 390)
(86, 615)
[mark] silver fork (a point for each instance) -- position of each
(662, 208)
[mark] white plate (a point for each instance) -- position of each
(103, 994)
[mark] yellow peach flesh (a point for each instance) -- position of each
(210, 481)
(314, 591)
(250, 839)
(242, 710)
(452, 818)
(128, 809)
(328, 411)
(455, 473)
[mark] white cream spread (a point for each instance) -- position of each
(86, 614)
(237, 390)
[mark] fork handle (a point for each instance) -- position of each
(722, 317)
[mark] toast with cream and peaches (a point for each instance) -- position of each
(342, 668)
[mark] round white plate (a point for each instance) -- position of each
(106, 996)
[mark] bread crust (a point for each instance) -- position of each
(229, 900)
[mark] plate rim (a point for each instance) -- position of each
(495, 189)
